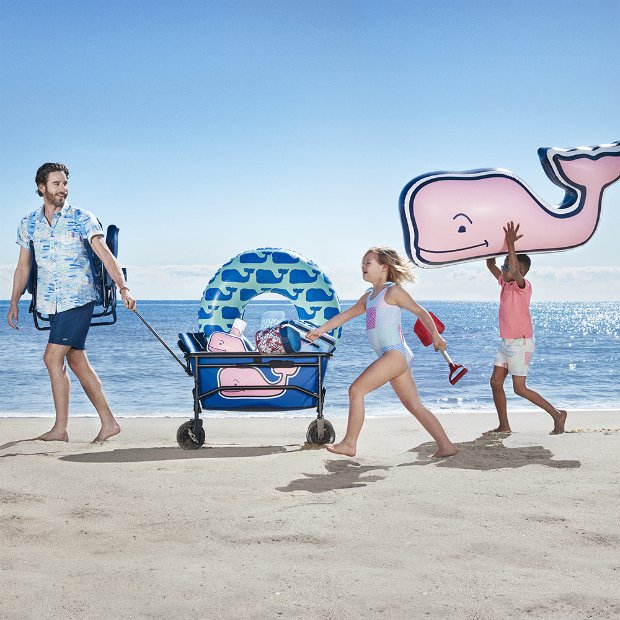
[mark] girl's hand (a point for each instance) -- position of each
(439, 343)
(314, 334)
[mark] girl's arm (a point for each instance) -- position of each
(398, 296)
(336, 321)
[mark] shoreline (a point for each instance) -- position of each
(256, 525)
(342, 414)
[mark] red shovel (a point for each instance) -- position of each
(457, 371)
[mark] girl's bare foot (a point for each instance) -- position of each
(558, 428)
(500, 429)
(447, 451)
(54, 435)
(107, 432)
(341, 448)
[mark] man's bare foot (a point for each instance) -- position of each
(54, 435)
(341, 448)
(558, 429)
(500, 429)
(107, 432)
(447, 451)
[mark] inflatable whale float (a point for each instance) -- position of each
(452, 217)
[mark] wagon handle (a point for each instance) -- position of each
(160, 340)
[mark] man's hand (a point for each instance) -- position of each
(128, 300)
(13, 316)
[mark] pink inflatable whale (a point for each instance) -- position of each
(451, 217)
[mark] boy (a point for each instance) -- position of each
(515, 330)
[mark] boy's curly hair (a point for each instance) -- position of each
(399, 269)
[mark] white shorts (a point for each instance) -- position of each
(515, 354)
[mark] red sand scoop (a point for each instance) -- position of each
(457, 371)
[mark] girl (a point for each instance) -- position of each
(385, 270)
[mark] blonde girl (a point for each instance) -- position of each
(383, 303)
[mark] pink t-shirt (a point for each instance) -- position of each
(514, 310)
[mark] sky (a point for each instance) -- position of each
(205, 129)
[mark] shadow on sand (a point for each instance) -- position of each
(141, 455)
(483, 454)
(488, 452)
(341, 475)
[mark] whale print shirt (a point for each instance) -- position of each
(383, 326)
(64, 274)
(514, 310)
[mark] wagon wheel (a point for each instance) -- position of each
(329, 435)
(187, 436)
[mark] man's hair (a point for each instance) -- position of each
(525, 260)
(44, 171)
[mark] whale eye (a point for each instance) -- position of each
(462, 229)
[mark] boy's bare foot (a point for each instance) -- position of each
(341, 448)
(443, 452)
(558, 429)
(54, 435)
(106, 433)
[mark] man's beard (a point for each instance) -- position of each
(57, 201)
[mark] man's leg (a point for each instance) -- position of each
(79, 364)
(54, 359)
(558, 415)
(499, 398)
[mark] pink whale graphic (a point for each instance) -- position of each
(451, 217)
(249, 378)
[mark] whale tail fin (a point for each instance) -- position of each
(285, 371)
(582, 168)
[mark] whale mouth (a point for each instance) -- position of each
(485, 243)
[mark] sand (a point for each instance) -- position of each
(254, 526)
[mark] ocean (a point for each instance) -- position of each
(575, 366)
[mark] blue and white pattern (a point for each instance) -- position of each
(267, 270)
(64, 273)
(383, 326)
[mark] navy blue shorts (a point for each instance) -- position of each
(70, 328)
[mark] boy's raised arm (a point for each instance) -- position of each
(511, 229)
(493, 268)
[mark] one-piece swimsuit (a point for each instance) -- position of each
(383, 326)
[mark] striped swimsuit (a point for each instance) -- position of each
(383, 326)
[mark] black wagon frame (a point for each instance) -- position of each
(191, 434)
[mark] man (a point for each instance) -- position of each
(66, 292)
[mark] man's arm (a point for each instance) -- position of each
(113, 268)
(511, 229)
(20, 279)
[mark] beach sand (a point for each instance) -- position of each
(254, 526)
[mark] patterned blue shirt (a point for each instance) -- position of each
(64, 273)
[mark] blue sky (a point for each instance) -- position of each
(204, 129)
